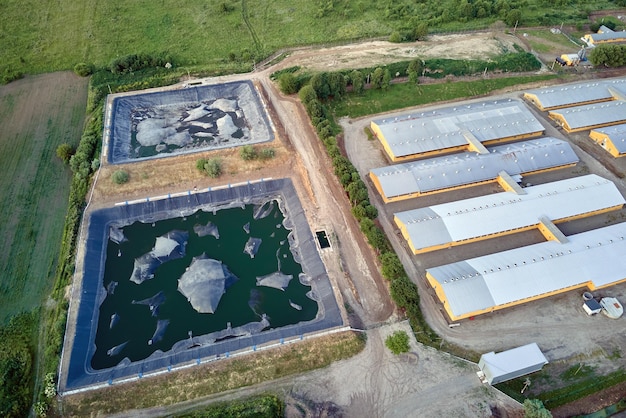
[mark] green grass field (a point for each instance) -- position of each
(38, 37)
(36, 114)
(57, 35)
(403, 95)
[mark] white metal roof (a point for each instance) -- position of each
(592, 115)
(572, 94)
(421, 132)
(617, 134)
(496, 213)
(596, 256)
(441, 173)
(510, 361)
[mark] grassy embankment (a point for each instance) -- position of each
(578, 381)
(218, 377)
(264, 406)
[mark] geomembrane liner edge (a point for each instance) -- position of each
(76, 369)
(184, 120)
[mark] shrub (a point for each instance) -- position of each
(534, 408)
(201, 163)
(11, 75)
(395, 37)
(595, 26)
(83, 69)
(213, 167)
(287, 83)
(136, 62)
(120, 177)
(289, 70)
(267, 153)
(513, 17)
(65, 152)
(247, 153)
(225, 7)
(392, 267)
(398, 342)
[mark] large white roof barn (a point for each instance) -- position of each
(611, 138)
(580, 118)
(445, 225)
(437, 174)
(454, 128)
(577, 94)
(593, 259)
(511, 364)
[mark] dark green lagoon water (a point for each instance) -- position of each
(244, 302)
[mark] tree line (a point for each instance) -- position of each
(403, 291)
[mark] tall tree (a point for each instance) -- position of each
(386, 79)
(356, 78)
(336, 84)
(319, 82)
(377, 78)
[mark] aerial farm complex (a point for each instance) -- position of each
(502, 142)
(180, 279)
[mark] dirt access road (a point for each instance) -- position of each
(375, 383)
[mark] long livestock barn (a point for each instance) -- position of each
(612, 139)
(439, 174)
(455, 128)
(580, 118)
(536, 207)
(593, 259)
(605, 35)
(579, 94)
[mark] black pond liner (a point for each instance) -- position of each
(124, 110)
(76, 372)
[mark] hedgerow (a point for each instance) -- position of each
(403, 291)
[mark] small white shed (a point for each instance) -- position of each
(511, 364)
(592, 307)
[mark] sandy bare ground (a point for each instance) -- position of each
(476, 45)
(375, 383)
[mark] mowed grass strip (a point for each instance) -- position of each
(399, 96)
(36, 114)
(220, 376)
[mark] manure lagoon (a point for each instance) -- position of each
(256, 286)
